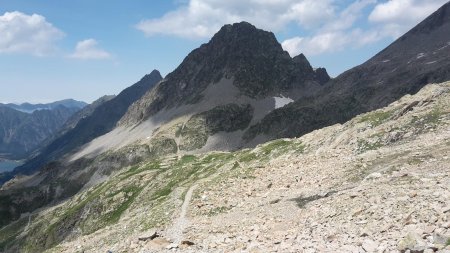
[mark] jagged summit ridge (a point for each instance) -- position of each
(252, 57)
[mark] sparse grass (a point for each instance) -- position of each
(182, 170)
(153, 165)
(415, 161)
(247, 156)
(282, 146)
(10, 232)
(275, 145)
(115, 215)
(428, 121)
(222, 157)
(364, 145)
(186, 159)
(217, 210)
(376, 118)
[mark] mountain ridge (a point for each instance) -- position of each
(101, 120)
(29, 108)
(258, 54)
(21, 133)
(415, 59)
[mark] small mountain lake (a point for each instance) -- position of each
(7, 165)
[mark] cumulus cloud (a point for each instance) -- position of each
(202, 18)
(32, 34)
(397, 16)
(88, 49)
(328, 42)
(326, 25)
(336, 34)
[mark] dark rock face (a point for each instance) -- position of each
(322, 75)
(253, 58)
(21, 133)
(100, 121)
(85, 112)
(227, 118)
(417, 58)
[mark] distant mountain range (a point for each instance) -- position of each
(96, 120)
(29, 108)
(22, 132)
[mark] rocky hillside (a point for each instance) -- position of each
(85, 112)
(415, 59)
(21, 133)
(216, 93)
(378, 183)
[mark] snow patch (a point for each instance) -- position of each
(431, 62)
(386, 61)
(282, 101)
(448, 44)
(420, 55)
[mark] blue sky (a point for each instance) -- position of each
(83, 49)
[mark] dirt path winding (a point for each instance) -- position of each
(176, 231)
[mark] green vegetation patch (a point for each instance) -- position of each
(428, 121)
(376, 118)
(9, 233)
(247, 156)
(365, 145)
(282, 146)
(130, 193)
(218, 210)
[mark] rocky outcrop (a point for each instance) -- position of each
(227, 118)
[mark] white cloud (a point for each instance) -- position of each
(397, 16)
(388, 19)
(32, 34)
(88, 49)
(327, 25)
(321, 43)
(327, 42)
(335, 35)
(202, 18)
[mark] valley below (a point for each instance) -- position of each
(8, 165)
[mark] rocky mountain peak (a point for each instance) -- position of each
(251, 57)
(244, 39)
(155, 74)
